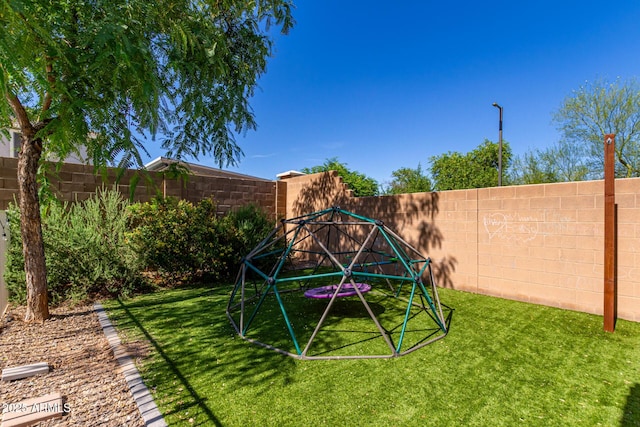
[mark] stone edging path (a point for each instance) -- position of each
(147, 407)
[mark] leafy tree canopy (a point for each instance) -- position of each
(119, 69)
(475, 169)
(103, 73)
(408, 180)
(598, 108)
(361, 184)
(532, 167)
(561, 162)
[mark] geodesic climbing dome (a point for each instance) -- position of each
(333, 284)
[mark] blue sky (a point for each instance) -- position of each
(385, 85)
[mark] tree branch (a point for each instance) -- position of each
(48, 98)
(28, 129)
(21, 114)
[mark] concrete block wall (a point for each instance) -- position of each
(537, 243)
(628, 245)
(8, 181)
(543, 244)
(74, 182)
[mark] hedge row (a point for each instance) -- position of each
(106, 245)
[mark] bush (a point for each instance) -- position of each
(179, 239)
(14, 275)
(176, 238)
(251, 225)
(104, 244)
(85, 247)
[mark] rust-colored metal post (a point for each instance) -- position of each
(609, 234)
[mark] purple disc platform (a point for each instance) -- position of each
(347, 290)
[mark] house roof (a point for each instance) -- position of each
(162, 163)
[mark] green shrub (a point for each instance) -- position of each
(85, 247)
(104, 244)
(244, 228)
(251, 225)
(173, 236)
(14, 275)
(179, 239)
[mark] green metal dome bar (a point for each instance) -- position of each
(325, 236)
(415, 277)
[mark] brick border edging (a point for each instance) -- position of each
(147, 407)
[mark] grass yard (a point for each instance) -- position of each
(503, 363)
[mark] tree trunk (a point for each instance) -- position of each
(31, 229)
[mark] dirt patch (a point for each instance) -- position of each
(82, 367)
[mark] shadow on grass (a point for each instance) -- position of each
(150, 301)
(631, 416)
(245, 365)
(226, 380)
(197, 399)
(346, 318)
(347, 326)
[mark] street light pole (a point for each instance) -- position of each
(495, 104)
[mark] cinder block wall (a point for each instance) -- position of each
(537, 243)
(8, 181)
(77, 182)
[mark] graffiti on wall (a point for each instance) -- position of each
(514, 227)
(511, 227)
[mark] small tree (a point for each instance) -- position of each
(568, 161)
(562, 162)
(361, 184)
(101, 74)
(531, 168)
(599, 108)
(476, 169)
(407, 180)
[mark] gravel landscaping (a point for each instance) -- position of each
(82, 367)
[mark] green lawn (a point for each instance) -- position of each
(503, 363)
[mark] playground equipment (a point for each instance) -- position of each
(333, 284)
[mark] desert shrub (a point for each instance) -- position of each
(250, 225)
(180, 239)
(104, 244)
(14, 275)
(176, 237)
(85, 248)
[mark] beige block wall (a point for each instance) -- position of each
(74, 182)
(537, 243)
